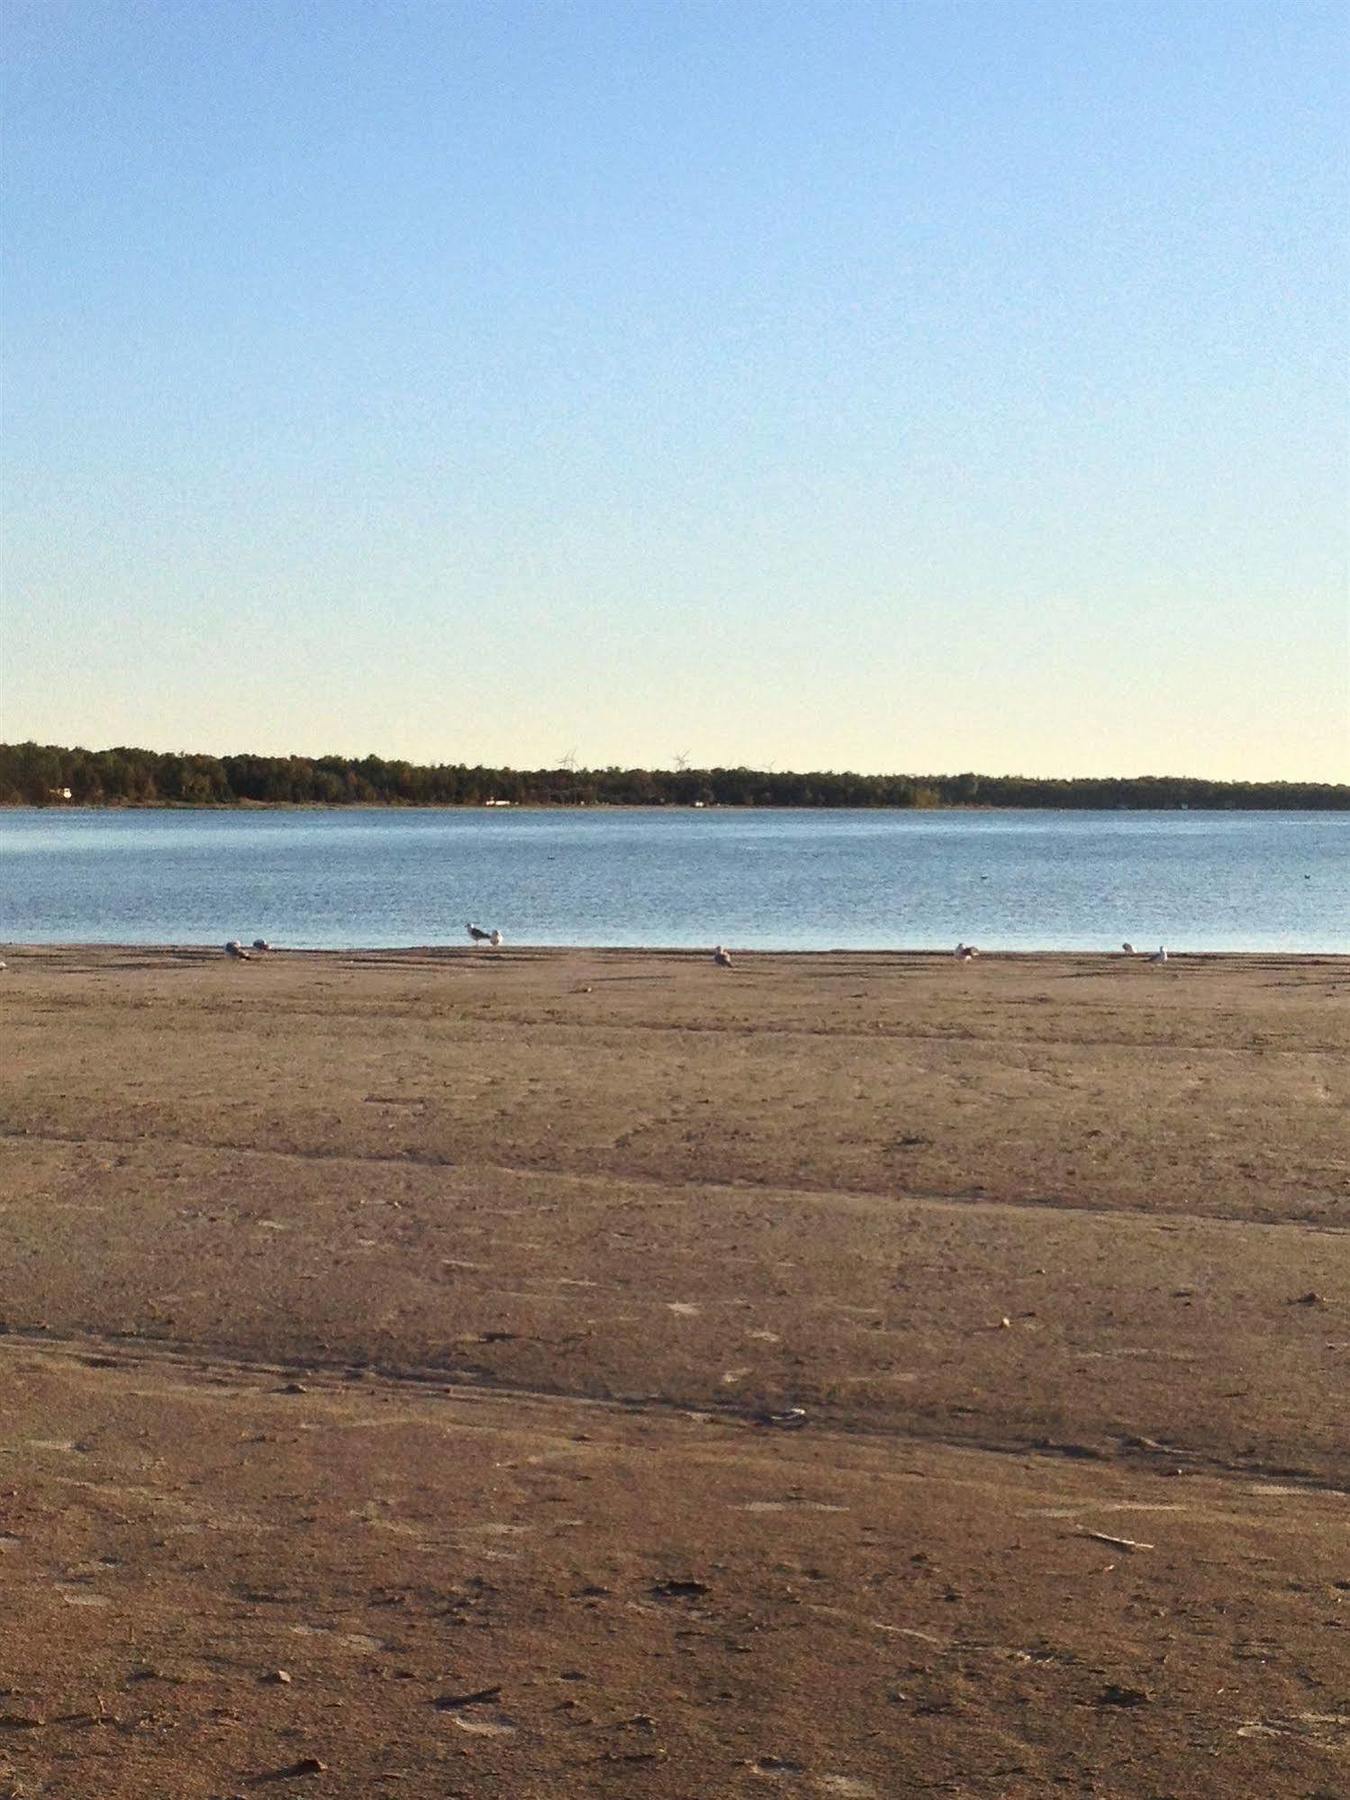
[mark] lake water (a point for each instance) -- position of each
(766, 880)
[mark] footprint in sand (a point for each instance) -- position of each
(685, 1309)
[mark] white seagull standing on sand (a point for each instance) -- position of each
(477, 933)
(496, 939)
(235, 949)
(1128, 949)
(1159, 955)
(722, 957)
(965, 953)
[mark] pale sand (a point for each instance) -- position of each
(542, 1237)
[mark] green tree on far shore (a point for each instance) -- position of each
(39, 775)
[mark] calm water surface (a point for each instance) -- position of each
(767, 880)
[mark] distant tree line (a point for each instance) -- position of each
(47, 775)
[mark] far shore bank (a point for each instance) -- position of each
(57, 808)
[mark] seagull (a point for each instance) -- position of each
(1159, 955)
(1128, 949)
(477, 933)
(722, 957)
(965, 953)
(261, 944)
(235, 949)
(496, 939)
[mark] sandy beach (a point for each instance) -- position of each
(528, 1374)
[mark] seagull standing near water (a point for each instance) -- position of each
(477, 934)
(237, 951)
(1159, 955)
(722, 957)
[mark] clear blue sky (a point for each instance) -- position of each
(927, 385)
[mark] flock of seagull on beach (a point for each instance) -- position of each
(963, 953)
(968, 953)
(721, 955)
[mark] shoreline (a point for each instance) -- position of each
(60, 809)
(213, 952)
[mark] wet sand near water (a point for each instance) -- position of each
(604, 1373)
